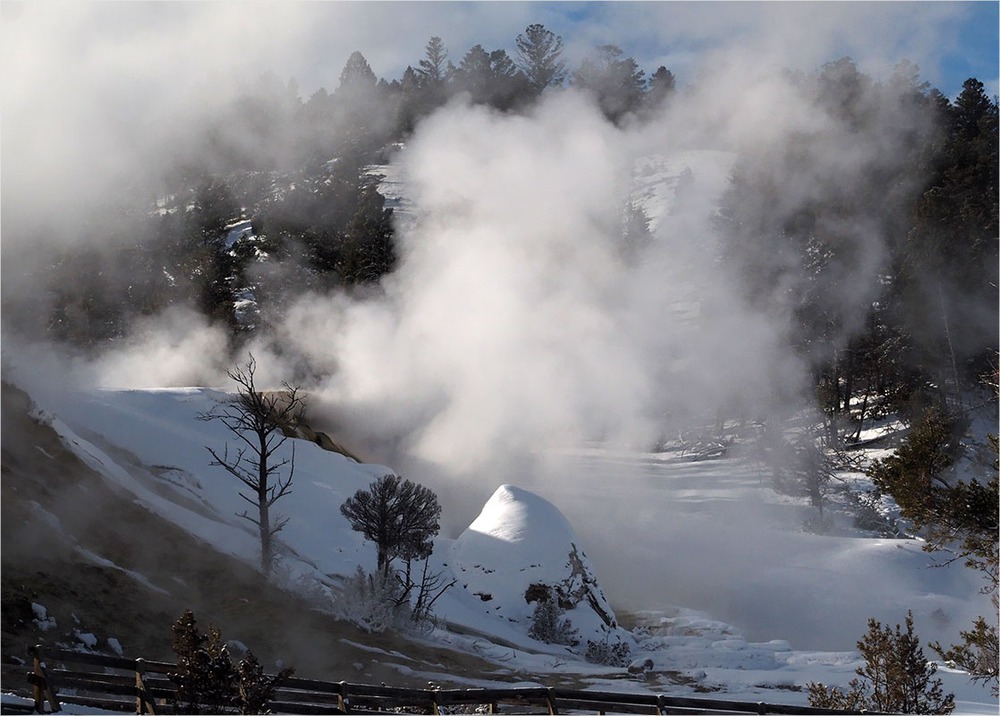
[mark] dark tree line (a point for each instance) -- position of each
(917, 324)
(298, 168)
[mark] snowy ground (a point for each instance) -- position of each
(735, 597)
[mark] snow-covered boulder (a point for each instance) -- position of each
(521, 549)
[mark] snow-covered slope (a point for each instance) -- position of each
(152, 444)
(658, 179)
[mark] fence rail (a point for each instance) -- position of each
(144, 687)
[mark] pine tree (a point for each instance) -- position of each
(399, 516)
(896, 677)
(369, 251)
(539, 57)
(615, 81)
(205, 676)
(434, 67)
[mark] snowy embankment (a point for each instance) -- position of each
(152, 444)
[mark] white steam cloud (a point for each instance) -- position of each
(516, 324)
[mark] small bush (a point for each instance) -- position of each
(207, 679)
(371, 601)
(604, 652)
(549, 625)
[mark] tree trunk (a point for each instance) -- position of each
(264, 509)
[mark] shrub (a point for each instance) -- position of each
(604, 652)
(371, 601)
(549, 625)
(896, 678)
(208, 681)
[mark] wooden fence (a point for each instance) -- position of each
(136, 685)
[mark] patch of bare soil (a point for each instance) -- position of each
(102, 565)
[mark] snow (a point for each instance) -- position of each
(42, 618)
(678, 510)
(518, 540)
(656, 178)
(238, 230)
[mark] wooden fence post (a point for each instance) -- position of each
(143, 703)
(342, 697)
(41, 688)
(550, 698)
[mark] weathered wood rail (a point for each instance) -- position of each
(118, 684)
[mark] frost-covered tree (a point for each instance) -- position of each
(550, 624)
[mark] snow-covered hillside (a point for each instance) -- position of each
(151, 444)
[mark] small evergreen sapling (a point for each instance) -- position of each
(548, 623)
(207, 679)
(604, 652)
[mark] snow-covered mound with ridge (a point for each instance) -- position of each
(521, 549)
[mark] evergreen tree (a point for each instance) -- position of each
(369, 251)
(360, 109)
(615, 81)
(489, 78)
(357, 73)
(959, 518)
(635, 232)
(207, 679)
(661, 87)
(205, 676)
(950, 265)
(399, 516)
(206, 261)
(435, 69)
(539, 57)
(896, 678)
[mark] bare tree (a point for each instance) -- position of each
(258, 421)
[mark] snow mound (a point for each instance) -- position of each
(521, 545)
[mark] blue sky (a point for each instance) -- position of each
(980, 42)
(950, 41)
